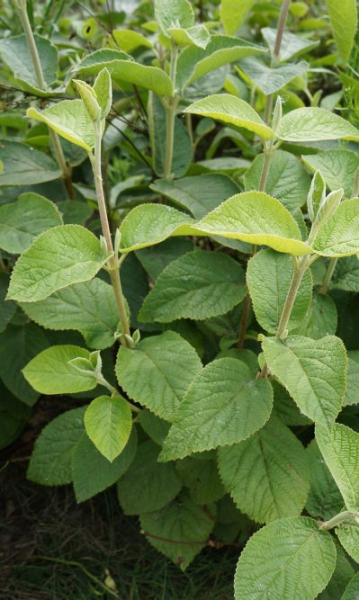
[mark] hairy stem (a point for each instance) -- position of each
(328, 275)
(292, 293)
(340, 518)
(112, 262)
(170, 108)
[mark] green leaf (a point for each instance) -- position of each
(156, 428)
(123, 69)
(15, 54)
(194, 62)
(198, 35)
(324, 499)
(276, 558)
(151, 224)
(147, 485)
(337, 166)
(339, 235)
(340, 449)
(352, 389)
(352, 590)
(22, 221)
(23, 165)
(92, 473)
(7, 307)
(313, 372)
(58, 258)
(291, 45)
(233, 14)
(50, 372)
(108, 423)
(346, 275)
(315, 124)
(230, 109)
(287, 179)
(342, 575)
(286, 408)
(256, 218)
(271, 79)
(198, 285)
(321, 318)
(269, 276)
(18, 345)
(156, 258)
(69, 119)
(266, 475)
(176, 13)
(88, 307)
(199, 195)
(50, 463)
(201, 478)
(158, 372)
(128, 40)
(348, 535)
(179, 531)
(343, 18)
(224, 405)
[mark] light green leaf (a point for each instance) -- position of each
(343, 18)
(315, 124)
(346, 275)
(266, 475)
(291, 45)
(224, 405)
(271, 79)
(128, 39)
(24, 166)
(352, 590)
(92, 473)
(230, 109)
(200, 194)
(287, 179)
(256, 218)
(147, 485)
(170, 13)
(198, 285)
(69, 119)
(339, 236)
(340, 449)
(201, 477)
(50, 463)
(88, 307)
(151, 224)
(337, 166)
(313, 372)
(50, 372)
(22, 221)
(269, 276)
(108, 423)
(194, 62)
(103, 91)
(233, 14)
(158, 372)
(324, 500)
(179, 531)
(58, 258)
(276, 558)
(198, 35)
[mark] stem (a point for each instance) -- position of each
(24, 18)
(244, 321)
(292, 293)
(281, 26)
(328, 275)
(339, 518)
(112, 261)
(268, 155)
(171, 106)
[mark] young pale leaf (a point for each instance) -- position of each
(313, 372)
(324, 499)
(88, 96)
(22, 221)
(177, 13)
(50, 463)
(151, 224)
(88, 307)
(108, 423)
(315, 124)
(198, 35)
(339, 236)
(230, 109)
(24, 166)
(50, 372)
(198, 285)
(158, 372)
(103, 90)
(287, 179)
(328, 207)
(58, 258)
(276, 557)
(343, 18)
(340, 449)
(316, 195)
(271, 79)
(266, 475)
(352, 590)
(257, 218)
(291, 45)
(147, 485)
(233, 14)
(70, 119)
(179, 530)
(269, 276)
(128, 39)
(337, 166)
(235, 405)
(92, 472)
